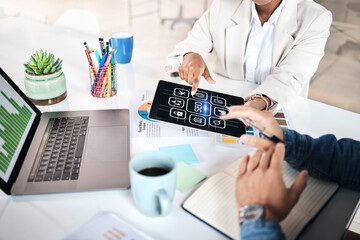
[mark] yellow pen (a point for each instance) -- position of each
(109, 80)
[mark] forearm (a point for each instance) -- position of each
(261, 229)
(325, 157)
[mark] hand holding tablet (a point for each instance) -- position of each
(173, 103)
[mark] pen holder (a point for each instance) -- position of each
(103, 81)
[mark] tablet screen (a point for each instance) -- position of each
(173, 103)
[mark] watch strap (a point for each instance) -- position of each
(261, 96)
(251, 212)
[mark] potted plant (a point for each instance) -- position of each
(45, 82)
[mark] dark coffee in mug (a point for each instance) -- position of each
(154, 171)
(153, 182)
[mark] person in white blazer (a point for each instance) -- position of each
(282, 61)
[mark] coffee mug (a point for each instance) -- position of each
(153, 182)
(122, 42)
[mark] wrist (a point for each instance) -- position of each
(263, 102)
(256, 211)
(270, 215)
(262, 227)
(261, 99)
(182, 56)
(251, 212)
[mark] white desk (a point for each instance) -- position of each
(54, 216)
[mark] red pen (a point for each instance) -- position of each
(91, 63)
(103, 71)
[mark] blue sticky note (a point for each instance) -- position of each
(181, 153)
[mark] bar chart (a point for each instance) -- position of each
(12, 127)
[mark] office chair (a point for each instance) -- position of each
(149, 11)
(352, 44)
(180, 18)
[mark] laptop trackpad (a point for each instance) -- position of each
(106, 144)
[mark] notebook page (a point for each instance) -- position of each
(233, 168)
(214, 203)
(315, 195)
(293, 224)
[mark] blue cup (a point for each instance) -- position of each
(123, 43)
(153, 182)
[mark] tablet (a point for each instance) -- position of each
(173, 103)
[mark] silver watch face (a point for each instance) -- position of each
(252, 212)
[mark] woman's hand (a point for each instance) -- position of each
(191, 70)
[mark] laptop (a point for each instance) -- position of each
(60, 151)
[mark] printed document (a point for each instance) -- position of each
(143, 127)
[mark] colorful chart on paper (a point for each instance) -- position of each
(144, 110)
(281, 117)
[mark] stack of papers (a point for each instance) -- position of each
(107, 226)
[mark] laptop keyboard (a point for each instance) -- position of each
(61, 151)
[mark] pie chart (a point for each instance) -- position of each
(144, 109)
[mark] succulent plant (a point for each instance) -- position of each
(42, 63)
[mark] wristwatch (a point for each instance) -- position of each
(262, 97)
(269, 105)
(251, 212)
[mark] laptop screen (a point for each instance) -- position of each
(16, 120)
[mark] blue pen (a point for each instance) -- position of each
(98, 56)
(102, 63)
(103, 60)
